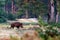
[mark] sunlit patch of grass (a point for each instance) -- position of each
(58, 37)
(50, 38)
(54, 38)
(14, 38)
(41, 38)
(4, 25)
(8, 25)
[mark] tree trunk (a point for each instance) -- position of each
(57, 17)
(26, 13)
(51, 11)
(12, 7)
(57, 12)
(26, 10)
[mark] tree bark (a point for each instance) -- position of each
(26, 10)
(26, 13)
(12, 7)
(57, 17)
(57, 12)
(51, 11)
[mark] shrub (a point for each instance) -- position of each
(2, 19)
(41, 22)
(11, 16)
(49, 32)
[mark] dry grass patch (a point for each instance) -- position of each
(30, 36)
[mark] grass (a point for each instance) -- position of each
(54, 38)
(14, 38)
(27, 26)
(49, 38)
(4, 25)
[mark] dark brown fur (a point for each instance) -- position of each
(16, 24)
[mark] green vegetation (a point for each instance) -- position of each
(48, 31)
(48, 34)
(12, 9)
(2, 19)
(11, 16)
(14, 38)
(41, 22)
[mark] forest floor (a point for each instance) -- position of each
(6, 32)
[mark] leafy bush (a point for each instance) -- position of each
(58, 25)
(49, 32)
(41, 22)
(8, 16)
(55, 25)
(2, 19)
(11, 16)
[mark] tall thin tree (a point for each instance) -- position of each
(26, 10)
(12, 6)
(51, 11)
(57, 1)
